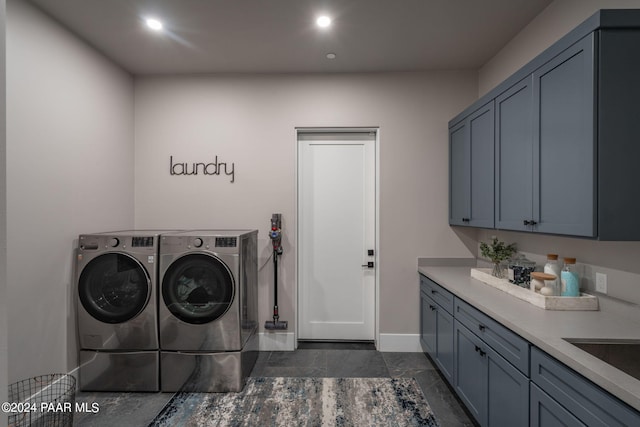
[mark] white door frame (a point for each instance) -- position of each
(376, 131)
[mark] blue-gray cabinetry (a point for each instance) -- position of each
(501, 378)
(514, 157)
(436, 332)
(618, 128)
(565, 132)
(471, 157)
(562, 391)
(510, 345)
(545, 150)
(493, 390)
(428, 324)
(564, 191)
(548, 413)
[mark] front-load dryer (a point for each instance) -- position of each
(208, 311)
(117, 312)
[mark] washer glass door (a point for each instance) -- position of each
(198, 288)
(114, 288)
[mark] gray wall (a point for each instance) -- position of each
(552, 23)
(251, 119)
(69, 171)
(619, 260)
(3, 214)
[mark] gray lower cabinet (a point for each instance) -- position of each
(428, 324)
(564, 391)
(470, 382)
(546, 412)
(471, 169)
(445, 351)
(501, 378)
(506, 343)
(508, 393)
(436, 331)
(493, 390)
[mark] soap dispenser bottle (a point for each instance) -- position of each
(569, 279)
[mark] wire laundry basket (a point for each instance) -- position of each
(42, 401)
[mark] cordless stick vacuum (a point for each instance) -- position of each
(276, 240)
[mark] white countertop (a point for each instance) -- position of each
(546, 328)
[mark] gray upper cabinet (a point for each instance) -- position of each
(546, 150)
(514, 157)
(564, 145)
(566, 128)
(471, 163)
(459, 174)
(618, 106)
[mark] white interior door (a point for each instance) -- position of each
(336, 217)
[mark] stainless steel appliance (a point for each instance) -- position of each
(116, 277)
(208, 309)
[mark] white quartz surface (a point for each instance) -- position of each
(546, 329)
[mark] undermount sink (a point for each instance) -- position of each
(622, 354)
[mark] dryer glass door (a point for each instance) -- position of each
(198, 288)
(114, 288)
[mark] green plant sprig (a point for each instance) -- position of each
(497, 251)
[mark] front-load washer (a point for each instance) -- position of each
(117, 312)
(208, 310)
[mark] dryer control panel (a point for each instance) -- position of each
(226, 242)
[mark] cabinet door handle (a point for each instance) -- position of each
(465, 220)
(526, 222)
(482, 327)
(432, 307)
(480, 351)
(433, 291)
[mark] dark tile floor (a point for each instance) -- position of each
(138, 409)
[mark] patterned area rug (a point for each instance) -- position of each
(304, 402)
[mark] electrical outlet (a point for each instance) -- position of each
(601, 283)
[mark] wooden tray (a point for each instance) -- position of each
(583, 302)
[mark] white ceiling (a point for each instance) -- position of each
(267, 36)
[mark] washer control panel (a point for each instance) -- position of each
(142, 241)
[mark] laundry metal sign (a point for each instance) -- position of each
(214, 168)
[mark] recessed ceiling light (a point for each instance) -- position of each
(331, 56)
(323, 21)
(154, 24)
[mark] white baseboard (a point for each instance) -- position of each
(277, 341)
(402, 343)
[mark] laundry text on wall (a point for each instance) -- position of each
(212, 168)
